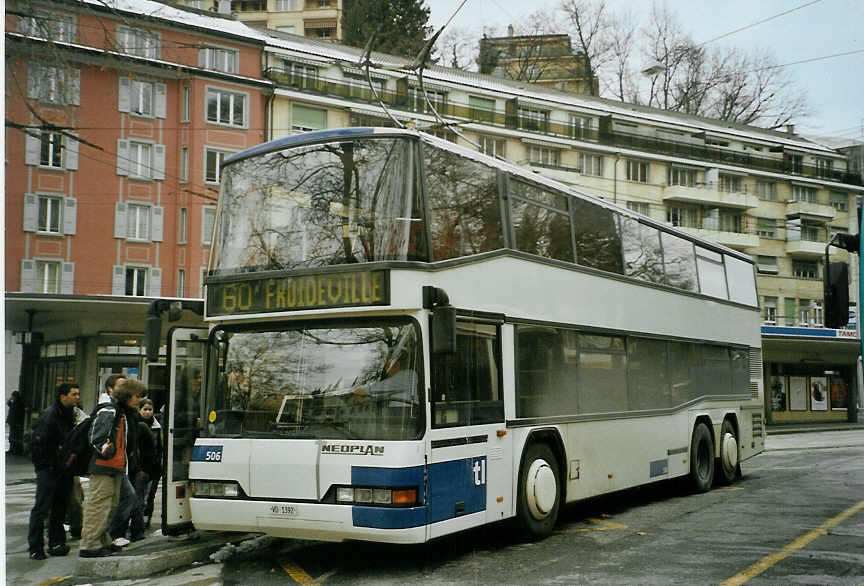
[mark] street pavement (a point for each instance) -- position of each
(186, 560)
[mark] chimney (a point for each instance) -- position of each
(509, 30)
(790, 129)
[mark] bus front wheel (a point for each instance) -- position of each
(701, 458)
(539, 491)
(727, 466)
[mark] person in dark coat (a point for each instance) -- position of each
(128, 510)
(53, 483)
(15, 412)
(153, 466)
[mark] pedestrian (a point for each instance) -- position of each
(155, 467)
(129, 513)
(53, 483)
(75, 511)
(108, 466)
(15, 419)
(149, 467)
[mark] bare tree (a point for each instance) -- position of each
(457, 48)
(589, 25)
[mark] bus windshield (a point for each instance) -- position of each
(320, 205)
(357, 380)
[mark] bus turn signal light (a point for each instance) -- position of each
(406, 496)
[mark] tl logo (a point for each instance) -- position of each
(479, 468)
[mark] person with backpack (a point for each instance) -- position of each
(75, 510)
(108, 466)
(53, 482)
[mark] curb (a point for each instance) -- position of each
(141, 565)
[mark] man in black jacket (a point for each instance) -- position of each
(53, 484)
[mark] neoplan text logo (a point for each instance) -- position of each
(353, 449)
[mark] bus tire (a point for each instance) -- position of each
(727, 464)
(701, 459)
(539, 496)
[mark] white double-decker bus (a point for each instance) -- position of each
(406, 338)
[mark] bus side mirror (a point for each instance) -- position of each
(154, 336)
(444, 330)
(836, 289)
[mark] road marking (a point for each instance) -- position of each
(791, 548)
(729, 488)
(297, 573)
(55, 580)
(599, 525)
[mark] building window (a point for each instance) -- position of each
(208, 218)
(51, 154)
(795, 163)
(482, 109)
(181, 226)
(212, 165)
(140, 160)
(767, 264)
(816, 308)
(803, 193)
(544, 155)
(142, 43)
(136, 281)
(681, 176)
(730, 183)
(730, 221)
(683, 216)
(824, 167)
(142, 95)
(766, 227)
(304, 118)
(591, 164)
(47, 277)
(531, 119)
(770, 305)
(804, 315)
(49, 214)
(225, 107)
(181, 283)
(52, 84)
(43, 24)
(766, 190)
(812, 232)
(637, 171)
(489, 145)
(805, 269)
(184, 104)
(300, 74)
(285, 5)
(581, 127)
(419, 104)
(138, 222)
(839, 201)
(288, 28)
(218, 59)
(643, 207)
(184, 164)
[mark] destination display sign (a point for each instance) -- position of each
(344, 289)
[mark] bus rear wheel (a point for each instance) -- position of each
(539, 495)
(727, 465)
(701, 458)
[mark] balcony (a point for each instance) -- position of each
(713, 197)
(805, 249)
(809, 210)
(736, 240)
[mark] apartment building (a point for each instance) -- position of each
(772, 194)
(319, 19)
(121, 118)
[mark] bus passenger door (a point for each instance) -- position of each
(470, 460)
(180, 424)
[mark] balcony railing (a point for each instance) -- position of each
(605, 136)
(704, 195)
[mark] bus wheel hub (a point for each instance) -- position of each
(730, 451)
(541, 489)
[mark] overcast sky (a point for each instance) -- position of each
(835, 87)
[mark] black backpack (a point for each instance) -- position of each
(77, 449)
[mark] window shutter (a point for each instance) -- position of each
(73, 90)
(158, 171)
(161, 100)
(155, 278)
(118, 283)
(34, 73)
(124, 94)
(67, 279)
(71, 154)
(28, 276)
(157, 215)
(123, 157)
(202, 57)
(120, 220)
(33, 147)
(31, 212)
(70, 215)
